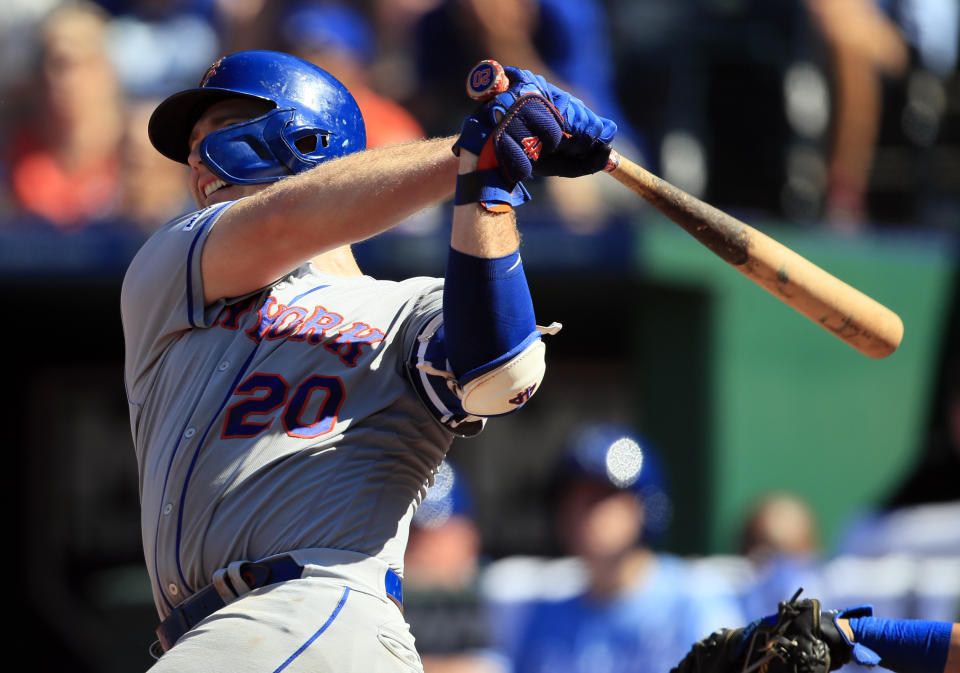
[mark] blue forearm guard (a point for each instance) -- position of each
(488, 312)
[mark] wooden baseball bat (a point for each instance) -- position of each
(870, 327)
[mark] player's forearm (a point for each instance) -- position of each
(477, 231)
(356, 197)
(487, 309)
(339, 202)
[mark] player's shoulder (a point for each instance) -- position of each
(180, 231)
(189, 222)
(186, 224)
(167, 252)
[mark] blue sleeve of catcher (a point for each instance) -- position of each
(905, 645)
(487, 313)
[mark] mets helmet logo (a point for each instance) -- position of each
(211, 71)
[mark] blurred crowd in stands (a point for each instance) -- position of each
(844, 113)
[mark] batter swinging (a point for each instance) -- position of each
(289, 412)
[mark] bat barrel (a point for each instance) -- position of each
(864, 323)
(842, 310)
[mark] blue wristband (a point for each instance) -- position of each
(473, 136)
(487, 186)
(905, 645)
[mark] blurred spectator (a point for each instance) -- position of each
(64, 161)
(339, 39)
(159, 46)
(639, 610)
(394, 22)
(567, 41)
(779, 524)
(910, 42)
(248, 24)
(441, 599)
(152, 188)
(864, 44)
(18, 23)
(781, 540)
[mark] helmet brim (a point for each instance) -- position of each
(173, 120)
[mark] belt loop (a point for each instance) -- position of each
(224, 586)
(240, 585)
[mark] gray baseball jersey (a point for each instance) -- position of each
(277, 421)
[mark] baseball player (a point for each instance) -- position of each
(288, 412)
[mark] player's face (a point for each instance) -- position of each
(206, 187)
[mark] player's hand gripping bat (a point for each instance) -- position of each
(842, 310)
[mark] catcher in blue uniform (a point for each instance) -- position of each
(804, 638)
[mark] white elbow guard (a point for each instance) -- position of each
(508, 386)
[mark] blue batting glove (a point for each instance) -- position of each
(585, 144)
(533, 128)
(574, 140)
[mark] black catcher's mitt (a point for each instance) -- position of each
(800, 638)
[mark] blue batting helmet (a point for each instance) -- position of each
(614, 455)
(314, 118)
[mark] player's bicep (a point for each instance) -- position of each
(241, 255)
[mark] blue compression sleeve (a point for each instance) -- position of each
(487, 312)
(905, 645)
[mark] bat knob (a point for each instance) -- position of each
(486, 79)
(612, 161)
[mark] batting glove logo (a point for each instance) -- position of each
(532, 147)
